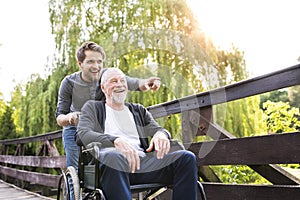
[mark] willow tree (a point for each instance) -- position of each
(144, 38)
(7, 127)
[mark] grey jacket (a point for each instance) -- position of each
(91, 125)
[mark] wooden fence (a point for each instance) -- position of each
(261, 153)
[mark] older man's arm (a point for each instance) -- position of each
(89, 127)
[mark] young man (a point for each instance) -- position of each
(77, 88)
(126, 156)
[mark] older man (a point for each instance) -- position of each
(127, 157)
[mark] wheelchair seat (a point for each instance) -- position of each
(87, 178)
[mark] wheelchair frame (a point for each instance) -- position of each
(86, 184)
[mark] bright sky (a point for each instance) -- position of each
(25, 41)
(267, 31)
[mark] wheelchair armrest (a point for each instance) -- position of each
(93, 148)
(175, 145)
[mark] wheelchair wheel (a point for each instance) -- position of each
(69, 188)
(73, 180)
(63, 192)
(94, 195)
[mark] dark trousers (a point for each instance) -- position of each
(178, 169)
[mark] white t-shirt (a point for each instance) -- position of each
(121, 124)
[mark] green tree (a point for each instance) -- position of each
(280, 117)
(241, 117)
(2, 104)
(18, 108)
(143, 38)
(274, 96)
(7, 128)
(239, 174)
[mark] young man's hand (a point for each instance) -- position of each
(73, 118)
(68, 119)
(152, 83)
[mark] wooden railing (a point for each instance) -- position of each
(261, 153)
(32, 169)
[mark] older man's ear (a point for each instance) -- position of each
(102, 88)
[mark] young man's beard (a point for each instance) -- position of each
(95, 79)
(119, 98)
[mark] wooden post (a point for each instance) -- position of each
(195, 123)
(4, 152)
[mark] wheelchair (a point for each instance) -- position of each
(85, 185)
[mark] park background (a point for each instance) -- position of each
(161, 38)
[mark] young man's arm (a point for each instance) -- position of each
(63, 115)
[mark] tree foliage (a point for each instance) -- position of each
(7, 128)
(280, 117)
(274, 96)
(239, 174)
(143, 38)
(2, 104)
(34, 104)
(241, 117)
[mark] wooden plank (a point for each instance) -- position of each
(199, 122)
(48, 136)
(273, 173)
(258, 150)
(32, 177)
(207, 174)
(242, 151)
(276, 174)
(11, 192)
(35, 161)
(258, 85)
(296, 172)
(249, 192)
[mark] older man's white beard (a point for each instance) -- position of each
(119, 98)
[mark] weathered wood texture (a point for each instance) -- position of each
(35, 161)
(22, 167)
(11, 192)
(258, 85)
(38, 138)
(258, 150)
(219, 191)
(31, 177)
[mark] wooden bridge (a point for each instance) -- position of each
(261, 153)
(12, 192)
